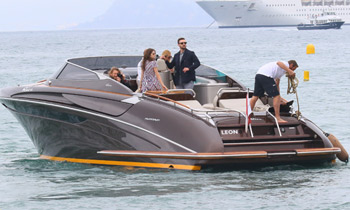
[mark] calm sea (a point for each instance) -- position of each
(27, 182)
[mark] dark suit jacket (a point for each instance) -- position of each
(189, 60)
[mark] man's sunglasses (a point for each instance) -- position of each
(183, 43)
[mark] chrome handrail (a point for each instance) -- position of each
(278, 127)
(225, 88)
(224, 110)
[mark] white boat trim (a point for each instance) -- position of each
(225, 155)
(269, 143)
(173, 155)
(334, 150)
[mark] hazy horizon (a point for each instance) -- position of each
(40, 15)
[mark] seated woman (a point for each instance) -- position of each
(166, 56)
(116, 74)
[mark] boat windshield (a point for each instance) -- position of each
(106, 62)
(92, 73)
(96, 68)
(74, 72)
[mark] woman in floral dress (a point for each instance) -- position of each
(150, 78)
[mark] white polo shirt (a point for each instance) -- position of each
(272, 70)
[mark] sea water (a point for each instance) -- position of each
(27, 182)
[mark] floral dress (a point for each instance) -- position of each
(149, 80)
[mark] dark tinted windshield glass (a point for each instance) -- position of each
(99, 63)
(71, 72)
(206, 71)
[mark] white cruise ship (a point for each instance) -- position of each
(269, 13)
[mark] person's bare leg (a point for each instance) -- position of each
(253, 101)
(276, 106)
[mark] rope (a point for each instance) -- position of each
(293, 83)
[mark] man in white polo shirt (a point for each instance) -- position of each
(267, 79)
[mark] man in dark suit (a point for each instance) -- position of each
(185, 62)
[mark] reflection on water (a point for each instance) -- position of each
(52, 182)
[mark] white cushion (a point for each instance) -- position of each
(239, 104)
(194, 104)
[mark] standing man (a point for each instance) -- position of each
(267, 80)
(185, 62)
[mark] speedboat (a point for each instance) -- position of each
(81, 115)
(327, 20)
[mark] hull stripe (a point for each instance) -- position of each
(124, 163)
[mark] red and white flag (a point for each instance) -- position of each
(248, 111)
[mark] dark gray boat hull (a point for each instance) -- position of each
(96, 120)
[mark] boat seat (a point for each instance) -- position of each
(228, 94)
(194, 104)
(260, 106)
(209, 106)
(239, 104)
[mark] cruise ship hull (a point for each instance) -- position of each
(270, 13)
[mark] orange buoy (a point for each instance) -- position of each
(343, 155)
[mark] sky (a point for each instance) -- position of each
(36, 15)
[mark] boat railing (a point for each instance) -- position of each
(208, 117)
(174, 91)
(154, 94)
(182, 91)
(278, 126)
(207, 114)
(202, 113)
(216, 112)
(226, 89)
